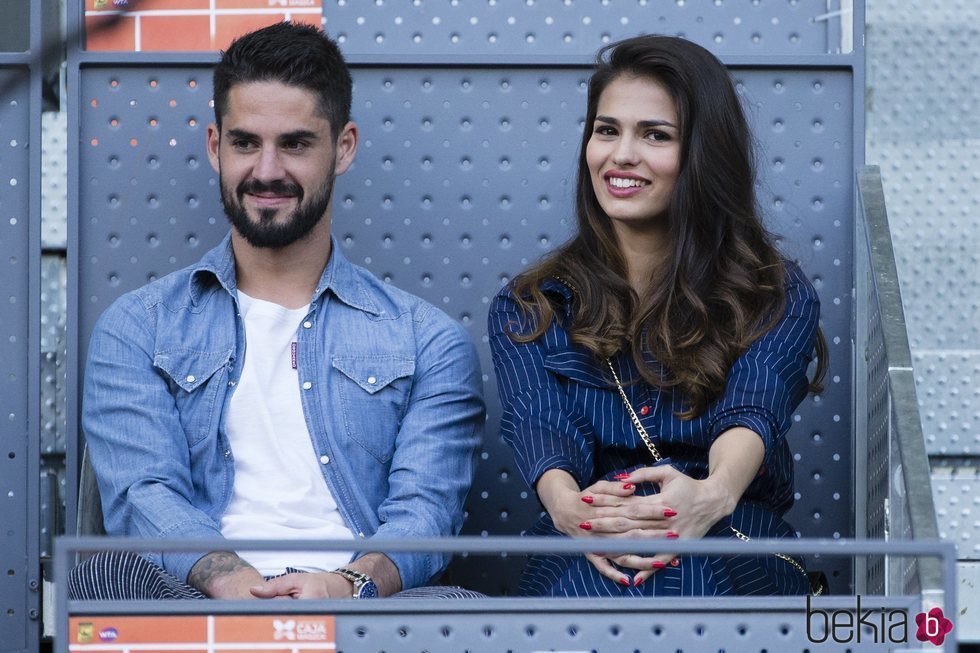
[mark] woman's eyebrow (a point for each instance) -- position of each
(642, 123)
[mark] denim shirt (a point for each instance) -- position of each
(391, 391)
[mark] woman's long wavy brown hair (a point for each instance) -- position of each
(722, 284)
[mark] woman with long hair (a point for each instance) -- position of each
(649, 368)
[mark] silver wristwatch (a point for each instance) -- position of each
(364, 587)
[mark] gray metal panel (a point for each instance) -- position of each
(147, 197)
(54, 176)
(956, 489)
(508, 28)
(468, 178)
(462, 180)
(16, 464)
(19, 361)
(949, 400)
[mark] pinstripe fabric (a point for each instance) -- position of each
(561, 410)
(126, 576)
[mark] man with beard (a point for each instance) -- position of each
(274, 390)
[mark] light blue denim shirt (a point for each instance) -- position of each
(391, 390)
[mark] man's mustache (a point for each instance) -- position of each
(278, 187)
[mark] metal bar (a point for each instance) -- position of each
(788, 62)
(499, 545)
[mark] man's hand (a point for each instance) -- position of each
(321, 585)
(223, 575)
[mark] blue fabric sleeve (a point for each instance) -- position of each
(768, 382)
(537, 421)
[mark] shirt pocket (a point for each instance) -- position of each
(577, 367)
(196, 380)
(374, 392)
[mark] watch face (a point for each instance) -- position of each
(368, 590)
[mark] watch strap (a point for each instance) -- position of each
(358, 578)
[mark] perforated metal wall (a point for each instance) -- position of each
(148, 199)
(873, 369)
(463, 179)
(19, 567)
(464, 176)
(506, 29)
(924, 131)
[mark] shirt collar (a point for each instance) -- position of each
(339, 276)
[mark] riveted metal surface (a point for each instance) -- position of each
(148, 199)
(783, 628)
(18, 508)
(923, 128)
(932, 193)
(54, 176)
(462, 180)
(949, 401)
(957, 493)
(508, 28)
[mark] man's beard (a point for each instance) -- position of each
(266, 232)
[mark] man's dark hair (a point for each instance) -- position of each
(294, 54)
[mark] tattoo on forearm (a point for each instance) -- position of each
(213, 566)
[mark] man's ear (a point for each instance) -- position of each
(213, 142)
(346, 148)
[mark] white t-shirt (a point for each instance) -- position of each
(279, 491)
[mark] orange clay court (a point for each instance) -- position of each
(202, 634)
(186, 25)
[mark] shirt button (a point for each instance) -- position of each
(231, 384)
(307, 385)
(191, 378)
(227, 453)
(307, 324)
(645, 410)
(372, 380)
(324, 459)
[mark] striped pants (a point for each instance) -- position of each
(126, 576)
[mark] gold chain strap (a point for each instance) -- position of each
(636, 420)
(782, 556)
(656, 456)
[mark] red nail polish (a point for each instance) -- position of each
(585, 526)
(638, 581)
(676, 562)
(671, 535)
(658, 564)
(587, 499)
(669, 512)
(627, 486)
(621, 476)
(624, 581)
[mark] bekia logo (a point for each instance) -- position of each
(877, 625)
(293, 630)
(933, 626)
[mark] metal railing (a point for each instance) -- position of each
(529, 624)
(896, 485)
